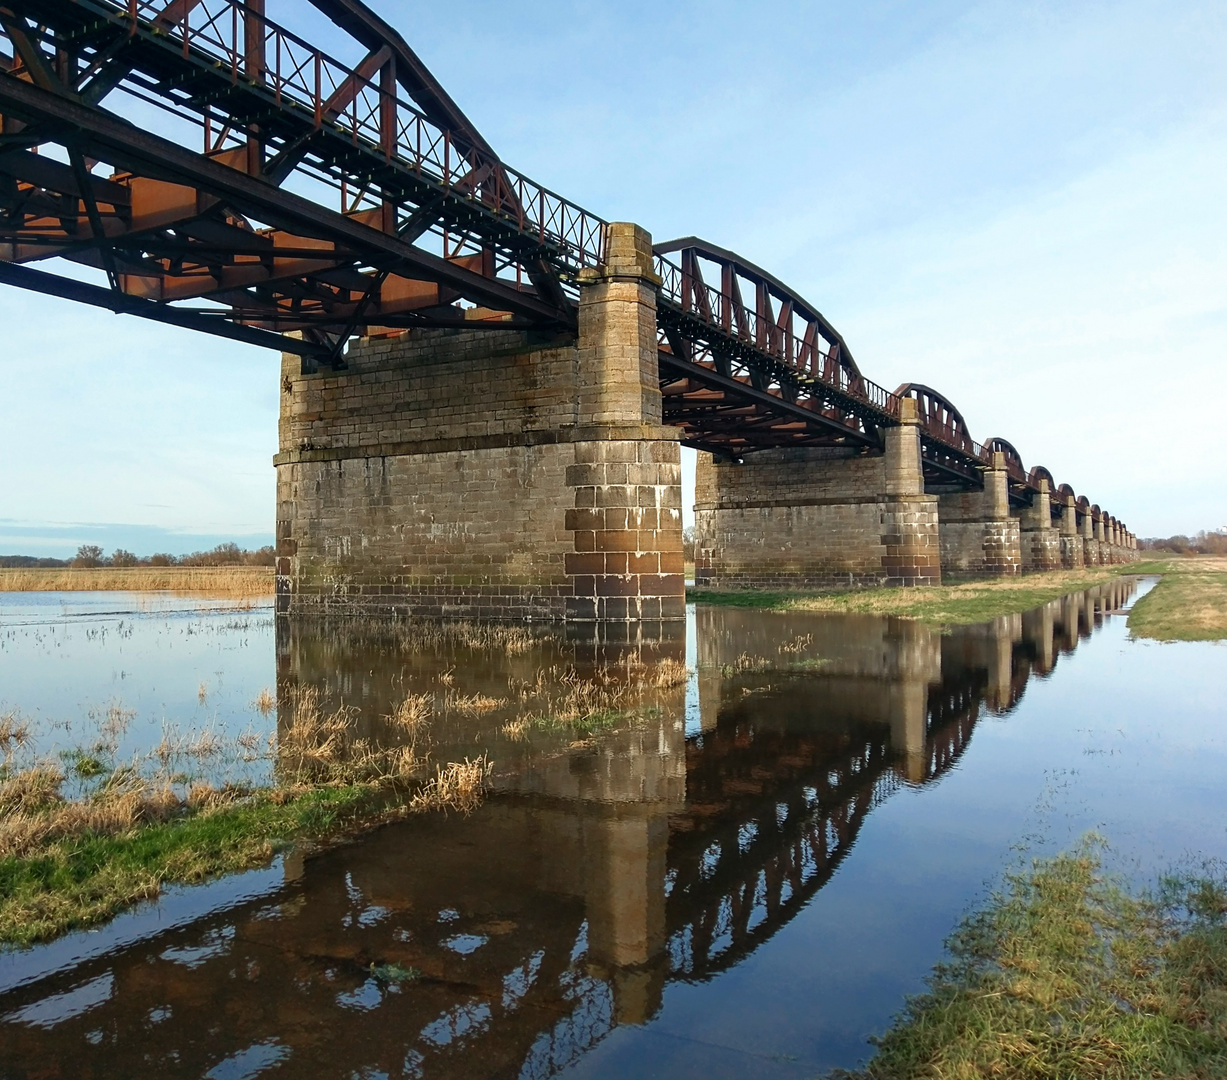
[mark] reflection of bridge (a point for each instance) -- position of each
(503, 439)
(593, 876)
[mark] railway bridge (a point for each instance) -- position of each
(484, 386)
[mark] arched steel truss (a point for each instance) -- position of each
(271, 186)
(748, 364)
(321, 196)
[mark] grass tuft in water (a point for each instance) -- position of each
(395, 973)
(81, 879)
(1066, 973)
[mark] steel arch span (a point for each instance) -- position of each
(220, 172)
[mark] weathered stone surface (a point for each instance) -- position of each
(817, 518)
(979, 537)
(1040, 543)
(486, 473)
(1072, 554)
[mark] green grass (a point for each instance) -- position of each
(591, 723)
(82, 880)
(1188, 604)
(1066, 973)
(970, 602)
(395, 973)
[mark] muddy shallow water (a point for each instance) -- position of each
(744, 881)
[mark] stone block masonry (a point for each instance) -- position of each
(979, 537)
(1040, 543)
(817, 518)
(1073, 553)
(488, 473)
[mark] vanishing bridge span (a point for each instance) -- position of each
(484, 385)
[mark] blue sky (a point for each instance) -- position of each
(1019, 204)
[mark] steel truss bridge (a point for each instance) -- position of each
(228, 176)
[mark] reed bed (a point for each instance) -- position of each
(219, 581)
(83, 835)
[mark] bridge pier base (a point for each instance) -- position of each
(489, 473)
(979, 537)
(818, 517)
(1091, 555)
(1071, 542)
(1040, 542)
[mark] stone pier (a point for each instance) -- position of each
(979, 537)
(818, 517)
(1040, 543)
(1090, 546)
(1071, 541)
(487, 473)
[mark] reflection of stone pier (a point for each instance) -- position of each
(598, 869)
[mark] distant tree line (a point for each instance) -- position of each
(1204, 543)
(92, 555)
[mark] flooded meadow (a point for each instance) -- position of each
(724, 848)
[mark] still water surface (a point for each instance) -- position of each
(744, 883)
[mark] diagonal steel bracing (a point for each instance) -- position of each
(227, 175)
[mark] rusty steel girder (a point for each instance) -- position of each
(271, 189)
(423, 214)
(739, 377)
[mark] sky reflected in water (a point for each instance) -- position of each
(745, 881)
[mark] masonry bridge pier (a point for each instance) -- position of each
(484, 386)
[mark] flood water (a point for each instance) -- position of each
(745, 881)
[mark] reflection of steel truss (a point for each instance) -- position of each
(271, 188)
(732, 887)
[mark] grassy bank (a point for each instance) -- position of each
(83, 879)
(67, 863)
(971, 602)
(84, 835)
(1188, 604)
(221, 581)
(1066, 973)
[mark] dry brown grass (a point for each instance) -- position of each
(32, 789)
(560, 699)
(667, 673)
(265, 703)
(948, 599)
(412, 715)
(970, 602)
(483, 637)
(472, 704)
(14, 736)
(319, 747)
(72, 862)
(458, 785)
(221, 581)
(34, 812)
(517, 730)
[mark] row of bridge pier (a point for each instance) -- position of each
(827, 516)
(490, 472)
